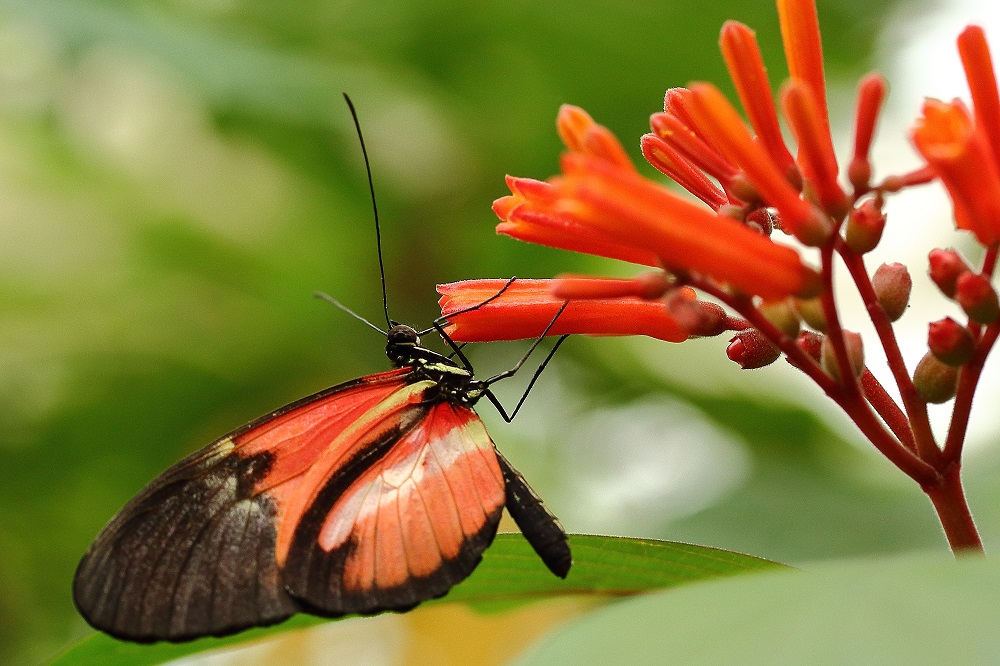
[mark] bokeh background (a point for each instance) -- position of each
(177, 177)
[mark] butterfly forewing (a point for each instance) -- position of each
(193, 554)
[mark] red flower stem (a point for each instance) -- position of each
(851, 401)
(989, 261)
(887, 408)
(916, 409)
(834, 331)
(948, 499)
(968, 378)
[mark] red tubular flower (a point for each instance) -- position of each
(526, 307)
(978, 65)
(871, 94)
(746, 67)
(665, 159)
(720, 122)
(584, 287)
(527, 216)
(804, 48)
(682, 138)
(961, 157)
(581, 134)
(636, 211)
(816, 156)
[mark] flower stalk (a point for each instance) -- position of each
(762, 211)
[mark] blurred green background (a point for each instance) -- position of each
(177, 176)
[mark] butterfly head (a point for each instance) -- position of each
(400, 341)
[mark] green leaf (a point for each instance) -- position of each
(904, 610)
(510, 574)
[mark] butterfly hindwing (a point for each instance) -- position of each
(392, 532)
(539, 526)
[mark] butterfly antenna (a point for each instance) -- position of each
(334, 301)
(378, 232)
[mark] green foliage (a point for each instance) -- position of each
(903, 610)
(510, 574)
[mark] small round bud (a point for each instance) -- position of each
(783, 315)
(935, 382)
(855, 354)
(865, 225)
(811, 311)
(892, 284)
(811, 343)
(697, 317)
(751, 350)
(977, 297)
(945, 267)
(950, 342)
(760, 220)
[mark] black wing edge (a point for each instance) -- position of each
(539, 526)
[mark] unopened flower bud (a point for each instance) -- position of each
(977, 297)
(855, 355)
(699, 318)
(783, 315)
(811, 343)
(935, 382)
(950, 342)
(945, 267)
(811, 311)
(752, 350)
(761, 220)
(892, 284)
(865, 225)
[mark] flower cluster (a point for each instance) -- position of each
(758, 208)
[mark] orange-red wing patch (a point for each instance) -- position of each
(193, 554)
(404, 527)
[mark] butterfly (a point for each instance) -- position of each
(372, 495)
(376, 494)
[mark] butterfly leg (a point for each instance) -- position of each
(440, 320)
(517, 366)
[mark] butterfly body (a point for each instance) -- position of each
(375, 494)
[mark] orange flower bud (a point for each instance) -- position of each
(871, 94)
